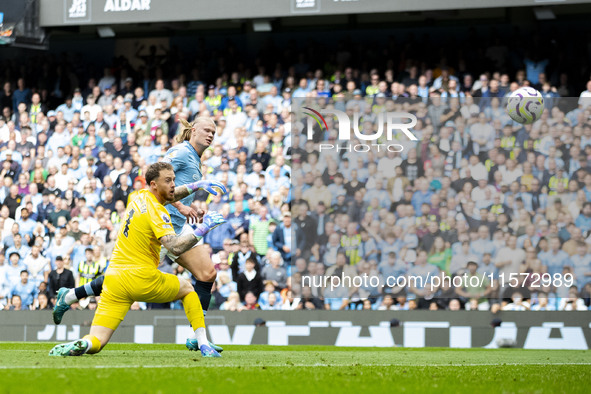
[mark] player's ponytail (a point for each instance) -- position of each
(184, 133)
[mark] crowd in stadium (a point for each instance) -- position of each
(477, 194)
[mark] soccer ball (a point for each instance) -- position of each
(525, 105)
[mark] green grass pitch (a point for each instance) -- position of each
(133, 368)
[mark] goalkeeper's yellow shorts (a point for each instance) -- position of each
(123, 286)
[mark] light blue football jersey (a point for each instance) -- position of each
(187, 168)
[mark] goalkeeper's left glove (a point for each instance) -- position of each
(208, 186)
(211, 220)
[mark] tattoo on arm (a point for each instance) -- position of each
(180, 192)
(179, 244)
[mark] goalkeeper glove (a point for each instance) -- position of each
(211, 220)
(208, 186)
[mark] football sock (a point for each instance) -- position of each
(203, 290)
(201, 336)
(94, 345)
(97, 285)
(93, 288)
(72, 296)
(193, 310)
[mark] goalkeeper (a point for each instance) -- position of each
(133, 275)
(193, 139)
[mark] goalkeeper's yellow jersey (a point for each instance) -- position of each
(144, 223)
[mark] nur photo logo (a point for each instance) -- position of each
(389, 124)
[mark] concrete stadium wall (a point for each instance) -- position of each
(461, 329)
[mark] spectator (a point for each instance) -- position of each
(259, 230)
(572, 302)
(473, 176)
(542, 304)
(555, 259)
(250, 280)
(274, 272)
(232, 303)
(25, 290)
(250, 302)
(37, 265)
(59, 277)
(583, 221)
(15, 303)
(265, 297)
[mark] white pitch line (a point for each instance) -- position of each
(276, 365)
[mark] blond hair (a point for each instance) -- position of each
(185, 128)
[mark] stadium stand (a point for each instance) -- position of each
(477, 194)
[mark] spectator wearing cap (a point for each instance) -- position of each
(10, 167)
(45, 207)
(74, 229)
(286, 100)
(77, 100)
(213, 100)
(106, 99)
(126, 85)
(130, 112)
(59, 277)
(244, 95)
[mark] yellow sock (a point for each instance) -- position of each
(194, 310)
(96, 344)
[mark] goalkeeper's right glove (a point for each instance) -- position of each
(211, 220)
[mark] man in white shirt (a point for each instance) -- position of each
(161, 93)
(483, 135)
(88, 224)
(62, 178)
(479, 192)
(91, 107)
(585, 97)
(509, 259)
(37, 265)
(477, 169)
(511, 172)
